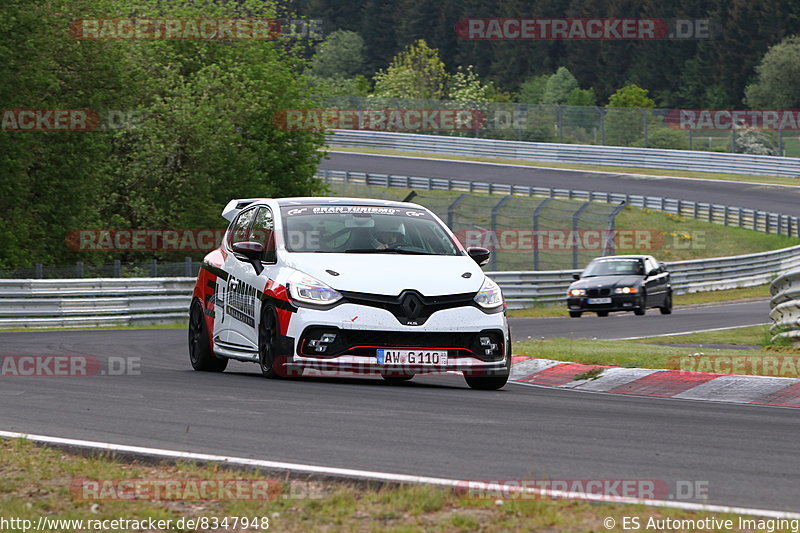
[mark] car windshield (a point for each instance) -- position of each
(365, 229)
(614, 267)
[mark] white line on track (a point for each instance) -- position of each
(348, 473)
(649, 176)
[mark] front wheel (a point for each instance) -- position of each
(575, 314)
(397, 379)
(200, 353)
(602, 313)
(489, 382)
(667, 307)
(267, 335)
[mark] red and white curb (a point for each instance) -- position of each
(756, 390)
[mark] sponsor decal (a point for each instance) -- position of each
(380, 119)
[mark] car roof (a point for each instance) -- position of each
(329, 200)
(621, 257)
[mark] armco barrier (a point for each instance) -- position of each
(105, 302)
(785, 304)
(571, 153)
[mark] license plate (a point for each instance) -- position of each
(412, 357)
(599, 301)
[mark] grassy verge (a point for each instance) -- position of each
(36, 482)
(695, 298)
(652, 352)
(597, 168)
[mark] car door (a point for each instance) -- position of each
(223, 319)
(249, 282)
(655, 282)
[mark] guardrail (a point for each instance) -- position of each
(785, 306)
(763, 221)
(93, 302)
(128, 301)
(572, 153)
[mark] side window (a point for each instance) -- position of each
(263, 231)
(241, 228)
(649, 266)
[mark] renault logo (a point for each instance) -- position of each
(412, 305)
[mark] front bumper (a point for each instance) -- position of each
(619, 302)
(358, 332)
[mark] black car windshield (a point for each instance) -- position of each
(365, 229)
(614, 267)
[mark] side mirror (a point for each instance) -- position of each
(653, 272)
(252, 251)
(479, 255)
(576, 277)
(249, 249)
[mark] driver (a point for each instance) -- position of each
(389, 233)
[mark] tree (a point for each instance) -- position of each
(532, 90)
(631, 96)
(340, 55)
(558, 87)
(466, 86)
(416, 72)
(581, 97)
(777, 82)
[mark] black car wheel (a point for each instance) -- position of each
(267, 333)
(199, 344)
(397, 379)
(575, 314)
(666, 309)
(490, 382)
(642, 309)
(602, 313)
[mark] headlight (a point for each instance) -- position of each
(576, 292)
(626, 290)
(489, 296)
(306, 289)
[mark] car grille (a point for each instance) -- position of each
(359, 342)
(410, 307)
(594, 293)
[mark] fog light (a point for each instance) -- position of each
(321, 348)
(313, 342)
(485, 341)
(327, 338)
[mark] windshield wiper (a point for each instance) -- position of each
(384, 251)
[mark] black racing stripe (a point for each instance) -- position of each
(217, 271)
(277, 302)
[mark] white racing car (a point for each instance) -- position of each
(348, 285)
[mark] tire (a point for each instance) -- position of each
(643, 309)
(200, 354)
(575, 314)
(267, 333)
(489, 382)
(667, 308)
(602, 313)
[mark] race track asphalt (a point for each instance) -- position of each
(430, 426)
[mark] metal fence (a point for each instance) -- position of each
(593, 125)
(509, 225)
(763, 221)
(572, 153)
(106, 302)
(785, 306)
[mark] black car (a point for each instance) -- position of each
(620, 283)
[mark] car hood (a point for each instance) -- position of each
(596, 282)
(390, 274)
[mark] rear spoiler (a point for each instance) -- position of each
(236, 205)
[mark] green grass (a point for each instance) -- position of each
(35, 481)
(647, 353)
(598, 168)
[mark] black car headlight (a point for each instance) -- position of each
(576, 292)
(626, 290)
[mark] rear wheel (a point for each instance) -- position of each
(666, 309)
(200, 353)
(602, 313)
(575, 314)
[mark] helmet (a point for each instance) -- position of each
(389, 230)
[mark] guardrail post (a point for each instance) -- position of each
(154, 268)
(536, 239)
(575, 218)
(493, 227)
(37, 271)
(117, 268)
(725, 216)
(79, 269)
(188, 263)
